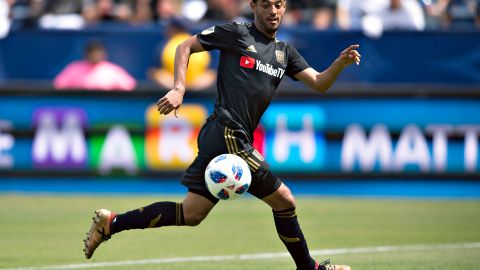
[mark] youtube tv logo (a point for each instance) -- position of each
(247, 62)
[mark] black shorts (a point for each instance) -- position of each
(214, 139)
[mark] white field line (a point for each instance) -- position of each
(259, 256)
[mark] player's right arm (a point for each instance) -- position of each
(220, 37)
(174, 98)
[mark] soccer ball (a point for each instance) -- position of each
(227, 177)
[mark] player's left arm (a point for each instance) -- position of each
(321, 81)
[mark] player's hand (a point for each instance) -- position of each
(170, 102)
(349, 56)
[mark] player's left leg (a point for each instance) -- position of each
(283, 206)
(269, 188)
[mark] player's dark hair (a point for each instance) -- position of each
(255, 1)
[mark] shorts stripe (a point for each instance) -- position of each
(232, 148)
(247, 158)
(250, 161)
(254, 167)
(227, 142)
(233, 141)
(178, 213)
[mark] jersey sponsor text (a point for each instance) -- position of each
(250, 63)
(269, 69)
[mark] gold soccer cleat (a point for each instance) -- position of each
(327, 266)
(99, 232)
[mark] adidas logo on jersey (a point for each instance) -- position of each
(251, 48)
(252, 63)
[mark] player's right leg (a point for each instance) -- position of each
(190, 212)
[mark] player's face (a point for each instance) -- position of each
(268, 14)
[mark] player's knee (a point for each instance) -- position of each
(195, 209)
(194, 219)
(281, 199)
(285, 202)
(288, 199)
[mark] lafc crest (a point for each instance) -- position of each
(280, 55)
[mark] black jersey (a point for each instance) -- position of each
(250, 70)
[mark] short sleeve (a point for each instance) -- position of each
(296, 62)
(219, 37)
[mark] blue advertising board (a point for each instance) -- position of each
(106, 133)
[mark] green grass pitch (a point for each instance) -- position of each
(39, 231)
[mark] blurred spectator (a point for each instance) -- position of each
(5, 22)
(403, 15)
(164, 10)
(293, 15)
(350, 13)
(61, 14)
(198, 76)
(94, 72)
(27, 12)
(245, 11)
(223, 10)
(477, 15)
(323, 13)
(194, 10)
(455, 13)
(95, 11)
(318, 13)
(142, 12)
(397, 15)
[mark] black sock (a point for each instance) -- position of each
(155, 215)
(291, 235)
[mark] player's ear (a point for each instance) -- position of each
(253, 5)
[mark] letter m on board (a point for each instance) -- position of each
(59, 140)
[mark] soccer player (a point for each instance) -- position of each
(252, 64)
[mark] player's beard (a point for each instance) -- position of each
(269, 28)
